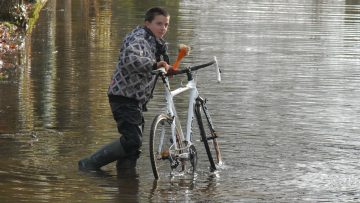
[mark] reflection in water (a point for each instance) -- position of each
(50, 75)
(287, 110)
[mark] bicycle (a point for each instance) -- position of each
(171, 150)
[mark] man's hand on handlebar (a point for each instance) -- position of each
(168, 68)
(163, 64)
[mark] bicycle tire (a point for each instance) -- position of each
(207, 134)
(161, 162)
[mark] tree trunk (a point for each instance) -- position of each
(5, 8)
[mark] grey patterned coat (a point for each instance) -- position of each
(132, 77)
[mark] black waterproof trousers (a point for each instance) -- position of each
(129, 118)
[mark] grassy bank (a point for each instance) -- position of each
(12, 37)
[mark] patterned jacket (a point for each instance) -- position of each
(138, 54)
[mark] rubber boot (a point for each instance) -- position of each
(126, 167)
(103, 156)
(125, 163)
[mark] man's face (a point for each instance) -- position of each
(159, 25)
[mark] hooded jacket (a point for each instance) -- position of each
(139, 53)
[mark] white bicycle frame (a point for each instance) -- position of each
(171, 110)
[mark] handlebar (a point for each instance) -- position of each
(161, 71)
(217, 69)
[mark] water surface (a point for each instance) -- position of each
(287, 108)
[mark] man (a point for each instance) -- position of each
(142, 51)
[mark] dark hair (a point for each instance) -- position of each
(155, 11)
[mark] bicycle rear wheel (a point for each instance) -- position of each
(207, 133)
(163, 156)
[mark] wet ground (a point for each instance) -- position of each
(287, 109)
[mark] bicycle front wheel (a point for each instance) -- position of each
(163, 156)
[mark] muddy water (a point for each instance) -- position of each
(287, 109)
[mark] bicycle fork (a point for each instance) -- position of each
(202, 103)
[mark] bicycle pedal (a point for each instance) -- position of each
(174, 164)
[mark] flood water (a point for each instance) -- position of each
(287, 109)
